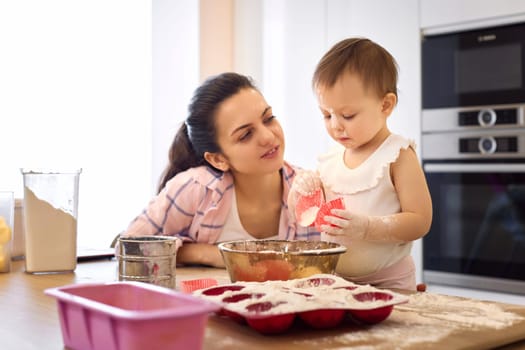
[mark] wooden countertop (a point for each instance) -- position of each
(428, 321)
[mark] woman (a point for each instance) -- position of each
(226, 178)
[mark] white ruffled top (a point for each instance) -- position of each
(366, 190)
(341, 179)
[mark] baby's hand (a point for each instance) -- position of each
(368, 228)
(306, 182)
(346, 223)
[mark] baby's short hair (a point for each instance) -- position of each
(371, 62)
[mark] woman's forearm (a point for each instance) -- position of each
(200, 253)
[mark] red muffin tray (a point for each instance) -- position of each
(320, 302)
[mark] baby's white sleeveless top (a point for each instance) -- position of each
(367, 190)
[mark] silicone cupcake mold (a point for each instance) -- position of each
(320, 301)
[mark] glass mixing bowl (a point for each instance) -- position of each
(264, 260)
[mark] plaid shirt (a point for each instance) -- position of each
(195, 203)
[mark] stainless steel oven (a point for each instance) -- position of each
(473, 152)
(477, 183)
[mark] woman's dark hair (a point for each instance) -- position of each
(197, 134)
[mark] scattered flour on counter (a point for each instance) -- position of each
(460, 312)
(397, 332)
(426, 318)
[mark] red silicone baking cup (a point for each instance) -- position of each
(190, 286)
(304, 203)
(325, 209)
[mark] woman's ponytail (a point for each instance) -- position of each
(181, 156)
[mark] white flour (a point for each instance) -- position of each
(460, 312)
(50, 236)
(279, 293)
(425, 319)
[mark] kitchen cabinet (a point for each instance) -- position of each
(465, 13)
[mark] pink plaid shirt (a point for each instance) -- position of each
(195, 203)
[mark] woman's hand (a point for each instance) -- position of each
(306, 182)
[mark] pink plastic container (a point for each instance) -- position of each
(130, 315)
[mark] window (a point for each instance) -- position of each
(75, 91)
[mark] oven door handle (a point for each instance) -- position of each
(473, 168)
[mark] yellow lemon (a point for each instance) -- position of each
(5, 231)
(4, 260)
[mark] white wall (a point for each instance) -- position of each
(294, 39)
(175, 55)
(247, 38)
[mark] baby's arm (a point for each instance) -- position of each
(415, 218)
(410, 224)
